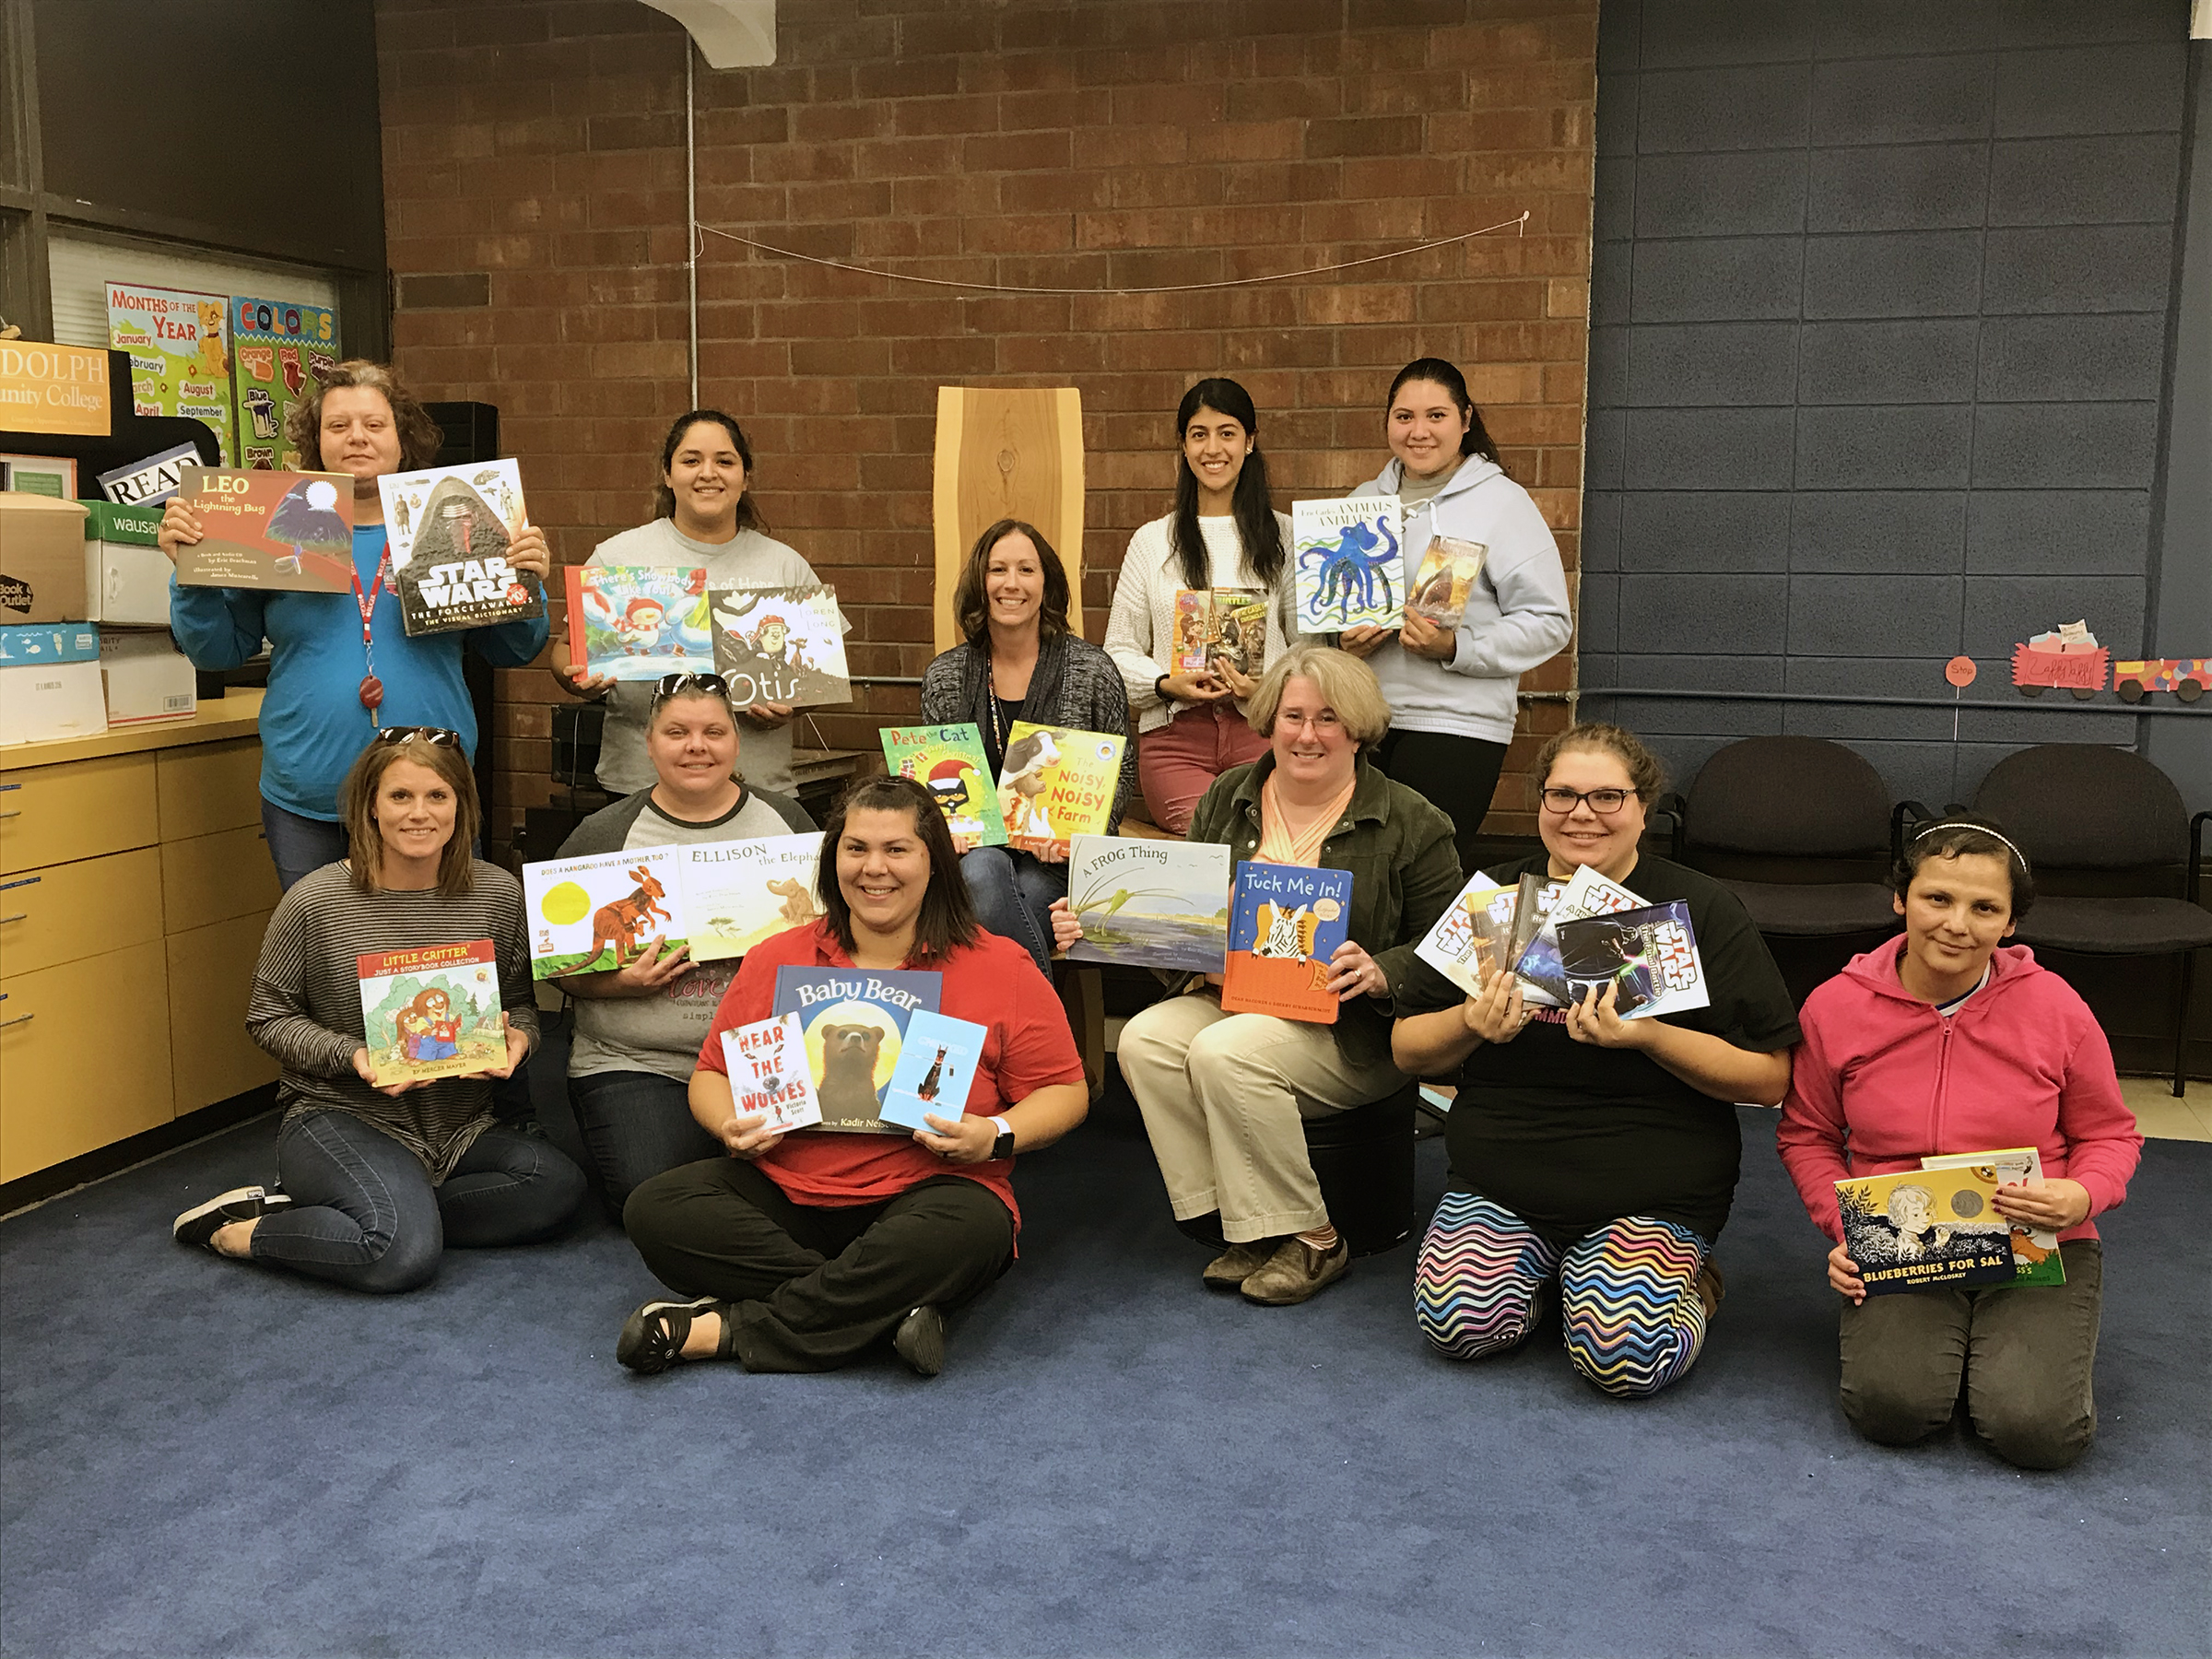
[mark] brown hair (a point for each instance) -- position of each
(419, 437)
(947, 917)
(972, 605)
(1645, 774)
(1347, 686)
(664, 499)
(357, 811)
(1965, 835)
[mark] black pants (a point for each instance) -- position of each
(1458, 774)
(816, 1287)
(635, 1125)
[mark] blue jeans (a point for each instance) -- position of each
(299, 844)
(636, 1125)
(364, 1214)
(1013, 894)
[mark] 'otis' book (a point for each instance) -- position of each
(780, 645)
(432, 1012)
(449, 529)
(767, 1063)
(1284, 922)
(853, 1021)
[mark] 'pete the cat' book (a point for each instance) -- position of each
(1925, 1226)
(432, 1012)
(267, 530)
(935, 1067)
(950, 762)
(450, 528)
(1284, 922)
(767, 1063)
(1057, 783)
(854, 1022)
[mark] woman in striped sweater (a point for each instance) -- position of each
(376, 1182)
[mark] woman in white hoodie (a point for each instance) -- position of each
(1452, 692)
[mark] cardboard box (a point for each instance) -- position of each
(73, 642)
(148, 679)
(55, 699)
(127, 577)
(42, 560)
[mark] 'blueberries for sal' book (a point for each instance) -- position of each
(1284, 923)
(1924, 1227)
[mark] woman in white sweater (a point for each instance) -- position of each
(1223, 533)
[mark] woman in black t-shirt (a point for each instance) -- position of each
(1604, 1150)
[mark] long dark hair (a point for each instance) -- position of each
(1248, 503)
(1476, 440)
(357, 811)
(948, 918)
(971, 603)
(663, 497)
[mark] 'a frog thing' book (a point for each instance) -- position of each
(1149, 903)
(432, 1012)
(1057, 783)
(267, 530)
(1925, 1226)
(854, 1022)
(637, 622)
(450, 528)
(1648, 956)
(950, 762)
(1284, 922)
(780, 645)
(2035, 1258)
(767, 1063)
(597, 914)
(937, 1063)
(1351, 563)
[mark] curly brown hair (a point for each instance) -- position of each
(419, 437)
(1644, 770)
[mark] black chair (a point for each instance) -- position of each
(1363, 1160)
(2107, 827)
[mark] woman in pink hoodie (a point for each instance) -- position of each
(1949, 1041)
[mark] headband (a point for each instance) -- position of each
(1978, 830)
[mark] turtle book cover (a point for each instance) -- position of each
(1919, 1228)
(936, 1065)
(950, 762)
(267, 530)
(1350, 560)
(767, 1063)
(2035, 1258)
(1473, 938)
(1284, 922)
(739, 893)
(1438, 590)
(854, 1022)
(449, 529)
(1221, 625)
(780, 645)
(1057, 783)
(432, 1012)
(1649, 957)
(637, 622)
(1149, 903)
(597, 914)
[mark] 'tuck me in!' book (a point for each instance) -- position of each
(937, 1063)
(1284, 922)
(2035, 1258)
(1648, 956)
(637, 622)
(596, 914)
(950, 762)
(1925, 1226)
(1473, 938)
(1149, 903)
(780, 645)
(432, 1012)
(1351, 563)
(1057, 783)
(737, 893)
(283, 530)
(1220, 625)
(855, 1021)
(1438, 590)
(450, 528)
(767, 1063)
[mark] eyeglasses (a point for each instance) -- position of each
(1604, 802)
(671, 685)
(439, 735)
(1322, 723)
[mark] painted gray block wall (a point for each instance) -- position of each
(1880, 333)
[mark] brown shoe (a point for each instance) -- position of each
(1237, 1263)
(1295, 1272)
(1708, 1286)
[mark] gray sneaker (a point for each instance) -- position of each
(1296, 1271)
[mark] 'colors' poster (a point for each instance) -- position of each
(280, 349)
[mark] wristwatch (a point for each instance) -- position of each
(1004, 1145)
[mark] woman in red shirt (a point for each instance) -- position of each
(800, 1251)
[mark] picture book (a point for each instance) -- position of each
(432, 1013)
(950, 762)
(1220, 624)
(734, 894)
(180, 356)
(1925, 1226)
(1471, 939)
(1057, 783)
(854, 1023)
(780, 645)
(2035, 1258)
(449, 529)
(1543, 978)
(937, 1063)
(767, 1063)
(1438, 590)
(1650, 956)
(1350, 560)
(1533, 900)
(280, 349)
(595, 914)
(637, 622)
(1149, 903)
(267, 530)
(1284, 922)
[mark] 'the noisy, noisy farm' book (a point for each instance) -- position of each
(2035, 1258)
(432, 1012)
(949, 762)
(854, 1022)
(780, 645)
(1057, 783)
(767, 1063)
(937, 1063)
(1284, 922)
(449, 529)
(1149, 903)
(637, 622)
(1919, 1228)
(261, 529)
(1350, 559)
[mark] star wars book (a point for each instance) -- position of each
(1543, 978)
(1649, 957)
(1350, 559)
(1921, 1227)
(1149, 903)
(1471, 938)
(854, 1022)
(1284, 922)
(1448, 569)
(2035, 1258)
(267, 530)
(780, 645)
(1057, 783)
(637, 622)
(936, 1065)
(1220, 625)
(737, 893)
(450, 528)
(950, 762)
(767, 1063)
(432, 1012)
(597, 914)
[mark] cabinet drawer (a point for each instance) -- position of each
(210, 976)
(52, 815)
(213, 877)
(84, 1057)
(210, 786)
(65, 912)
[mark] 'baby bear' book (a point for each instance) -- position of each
(1149, 903)
(267, 530)
(596, 914)
(937, 1063)
(767, 1062)
(950, 762)
(1925, 1226)
(780, 645)
(854, 1022)
(637, 622)
(449, 529)
(432, 1012)
(1284, 922)
(1351, 563)
(1057, 783)
(2035, 1258)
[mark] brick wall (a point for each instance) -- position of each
(1093, 147)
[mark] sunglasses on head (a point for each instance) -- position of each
(671, 685)
(439, 735)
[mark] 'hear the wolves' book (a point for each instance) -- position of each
(1284, 923)
(767, 1063)
(854, 1022)
(432, 1012)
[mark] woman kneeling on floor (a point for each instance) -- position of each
(801, 1251)
(1949, 1041)
(1599, 1150)
(375, 1182)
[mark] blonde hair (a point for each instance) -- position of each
(1347, 684)
(357, 811)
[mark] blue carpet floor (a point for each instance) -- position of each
(205, 1458)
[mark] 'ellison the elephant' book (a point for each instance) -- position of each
(737, 893)
(935, 1067)
(854, 1022)
(432, 1012)
(1284, 922)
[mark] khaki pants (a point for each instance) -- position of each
(1225, 1098)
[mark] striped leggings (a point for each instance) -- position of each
(1628, 1292)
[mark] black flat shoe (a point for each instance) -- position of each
(920, 1341)
(652, 1338)
(198, 1225)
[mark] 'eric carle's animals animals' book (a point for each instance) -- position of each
(1149, 903)
(854, 1024)
(432, 1012)
(937, 1063)
(1350, 559)
(1284, 922)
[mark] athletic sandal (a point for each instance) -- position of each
(652, 1338)
(1295, 1272)
(198, 1225)
(1228, 1270)
(920, 1341)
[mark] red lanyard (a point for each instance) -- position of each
(372, 688)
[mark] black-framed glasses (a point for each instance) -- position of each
(1604, 802)
(440, 735)
(673, 685)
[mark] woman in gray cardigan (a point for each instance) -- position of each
(1021, 663)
